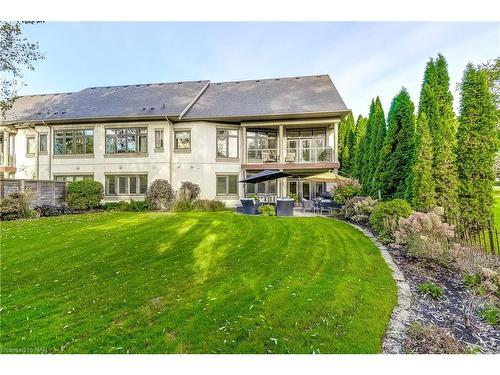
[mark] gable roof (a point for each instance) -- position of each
(237, 100)
(268, 97)
(156, 99)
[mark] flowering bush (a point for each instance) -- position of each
(359, 209)
(347, 191)
(426, 235)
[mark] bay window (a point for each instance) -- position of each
(227, 143)
(126, 140)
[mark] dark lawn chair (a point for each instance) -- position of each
(284, 207)
(326, 205)
(249, 206)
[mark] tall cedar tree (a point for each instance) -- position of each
(397, 154)
(346, 144)
(436, 102)
(379, 132)
(366, 168)
(422, 183)
(476, 147)
(358, 140)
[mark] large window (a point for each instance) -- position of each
(125, 140)
(227, 185)
(227, 143)
(259, 140)
(267, 187)
(182, 140)
(42, 142)
(74, 142)
(30, 145)
(126, 184)
(68, 178)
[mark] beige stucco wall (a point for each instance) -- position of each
(199, 165)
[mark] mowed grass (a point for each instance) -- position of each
(122, 282)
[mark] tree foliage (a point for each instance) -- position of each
(476, 147)
(16, 54)
(396, 157)
(436, 102)
(358, 144)
(423, 189)
(347, 138)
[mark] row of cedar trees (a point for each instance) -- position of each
(430, 158)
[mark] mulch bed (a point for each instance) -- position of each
(457, 311)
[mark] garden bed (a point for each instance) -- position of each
(457, 311)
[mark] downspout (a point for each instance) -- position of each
(170, 152)
(49, 148)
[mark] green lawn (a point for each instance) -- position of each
(120, 282)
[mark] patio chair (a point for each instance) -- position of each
(307, 205)
(284, 207)
(326, 205)
(290, 157)
(249, 206)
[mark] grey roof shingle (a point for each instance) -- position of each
(281, 96)
(239, 99)
(156, 99)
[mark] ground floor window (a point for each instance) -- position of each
(267, 187)
(227, 185)
(126, 184)
(66, 178)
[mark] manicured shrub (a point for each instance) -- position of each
(161, 195)
(385, 217)
(17, 205)
(139, 206)
(343, 193)
(430, 289)
(85, 194)
(116, 206)
(208, 205)
(359, 209)
(426, 235)
(182, 206)
(267, 210)
(46, 210)
(189, 191)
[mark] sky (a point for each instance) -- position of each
(364, 59)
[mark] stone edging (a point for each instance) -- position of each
(395, 334)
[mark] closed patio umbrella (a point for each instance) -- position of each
(265, 175)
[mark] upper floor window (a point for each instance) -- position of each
(122, 140)
(30, 145)
(42, 142)
(227, 143)
(69, 142)
(182, 139)
(158, 138)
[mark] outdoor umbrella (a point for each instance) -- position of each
(265, 175)
(327, 177)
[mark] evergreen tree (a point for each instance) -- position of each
(421, 182)
(358, 142)
(379, 131)
(397, 155)
(366, 167)
(346, 144)
(436, 102)
(476, 147)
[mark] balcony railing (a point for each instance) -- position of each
(292, 155)
(263, 155)
(10, 162)
(309, 155)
